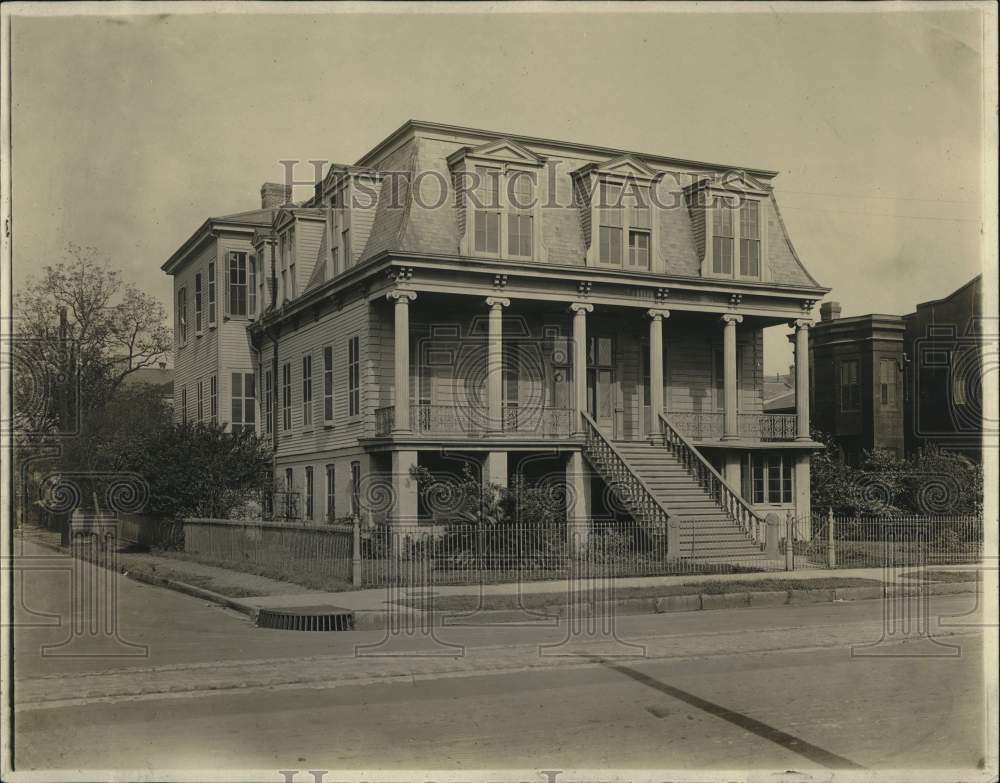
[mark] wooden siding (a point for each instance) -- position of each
(198, 358)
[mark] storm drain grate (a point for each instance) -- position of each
(306, 618)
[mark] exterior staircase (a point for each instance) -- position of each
(666, 482)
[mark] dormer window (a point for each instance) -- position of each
(722, 237)
(750, 238)
(729, 215)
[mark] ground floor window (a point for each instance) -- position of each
(355, 489)
(331, 492)
(309, 492)
(768, 477)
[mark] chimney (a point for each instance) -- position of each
(829, 311)
(274, 194)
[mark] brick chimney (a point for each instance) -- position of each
(829, 311)
(274, 194)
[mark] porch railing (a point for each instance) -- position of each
(631, 490)
(459, 419)
(711, 481)
(754, 426)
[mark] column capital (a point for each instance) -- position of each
(732, 318)
(581, 307)
(801, 323)
(401, 294)
(655, 313)
(497, 302)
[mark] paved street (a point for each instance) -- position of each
(726, 689)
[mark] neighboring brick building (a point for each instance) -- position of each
(856, 385)
(523, 304)
(943, 344)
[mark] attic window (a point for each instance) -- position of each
(736, 245)
(625, 230)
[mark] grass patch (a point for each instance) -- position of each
(943, 576)
(204, 582)
(296, 573)
(542, 600)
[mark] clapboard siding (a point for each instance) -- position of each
(308, 237)
(235, 350)
(198, 358)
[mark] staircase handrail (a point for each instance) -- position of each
(712, 480)
(661, 513)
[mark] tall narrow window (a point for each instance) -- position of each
(310, 491)
(197, 303)
(355, 489)
(328, 384)
(610, 234)
(850, 391)
(236, 288)
(291, 511)
(243, 402)
(486, 213)
(331, 493)
(353, 377)
(213, 395)
(638, 249)
(722, 237)
(201, 401)
(184, 405)
(182, 333)
(211, 292)
(750, 238)
(252, 288)
(887, 382)
(345, 244)
(286, 396)
(268, 402)
(307, 390)
(520, 186)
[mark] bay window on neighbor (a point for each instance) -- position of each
(328, 384)
(728, 234)
(307, 406)
(241, 295)
(197, 303)
(309, 491)
(331, 493)
(243, 402)
(354, 377)
(768, 478)
(850, 390)
(286, 396)
(211, 293)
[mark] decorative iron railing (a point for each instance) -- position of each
(537, 421)
(752, 426)
(633, 492)
(709, 478)
(530, 421)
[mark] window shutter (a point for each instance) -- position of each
(225, 293)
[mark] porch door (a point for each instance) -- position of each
(601, 381)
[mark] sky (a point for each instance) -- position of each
(129, 131)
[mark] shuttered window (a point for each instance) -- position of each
(486, 211)
(197, 303)
(750, 238)
(722, 237)
(286, 396)
(353, 377)
(328, 384)
(237, 279)
(307, 395)
(211, 293)
(268, 402)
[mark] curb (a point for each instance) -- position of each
(192, 590)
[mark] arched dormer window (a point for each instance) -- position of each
(618, 214)
(729, 214)
(498, 196)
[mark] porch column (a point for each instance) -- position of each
(494, 363)
(401, 358)
(730, 422)
(656, 318)
(580, 310)
(801, 327)
(577, 502)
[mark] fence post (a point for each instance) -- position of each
(356, 552)
(789, 542)
(771, 536)
(831, 549)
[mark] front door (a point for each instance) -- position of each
(601, 381)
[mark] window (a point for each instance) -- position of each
(328, 384)
(331, 492)
(213, 394)
(243, 402)
(309, 492)
(486, 215)
(345, 243)
(887, 382)
(520, 220)
(184, 405)
(201, 401)
(638, 249)
(290, 510)
(197, 303)
(768, 478)
(182, 334)
(236, 284)
(286, 396)
(611, 223)
(211, 293)
(850, 391)
(252, 288)
(307, 393)
(355, 489)
(268, 402)
(750, 238)
(722, 237)
(353, 377)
